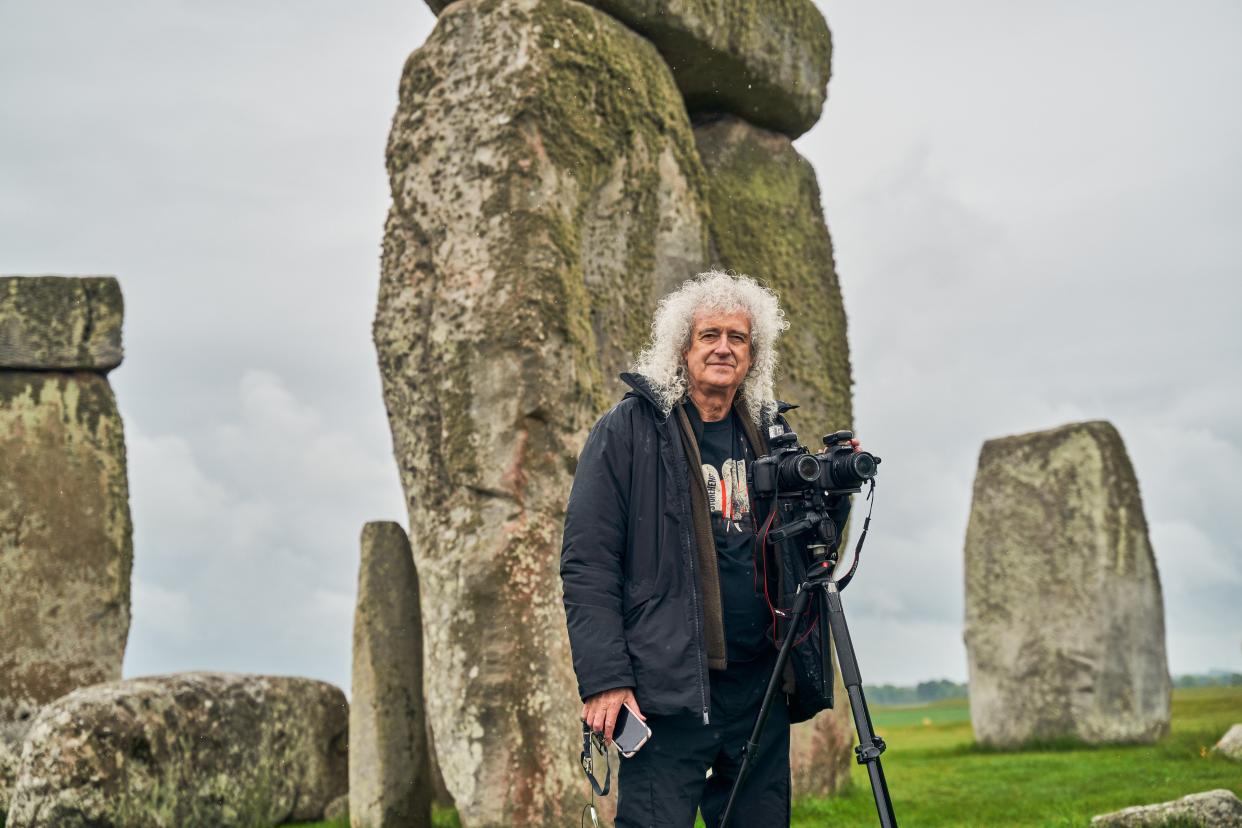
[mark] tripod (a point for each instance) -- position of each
(819, 585)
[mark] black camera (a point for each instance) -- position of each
(789, 468)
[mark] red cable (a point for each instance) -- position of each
(763, 554)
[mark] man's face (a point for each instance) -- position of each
(718, 358)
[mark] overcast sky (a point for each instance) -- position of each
(1036, 211)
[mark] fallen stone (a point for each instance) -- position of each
(65, 538)
(195, 750)
(1064, 616)
(11, 736)
(1230, 744)
(389, 766)
(765, 62)
(546, 192)
(767, 221)
(1212, 809)
(57, 323)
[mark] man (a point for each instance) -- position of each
(665, 594)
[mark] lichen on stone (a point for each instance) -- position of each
(66, 546)
(1064, 611)
(58, 323)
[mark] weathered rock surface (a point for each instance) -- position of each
(11, 736)
(337, 809)
(56, 323)
(767, 221)
(1231, 743)
(1211, 809)
(821, 751)
(1064, 615)
(389, 767)
(65, 537)
(193, 749)
(546, 193)
(439, 790)
(766, 62)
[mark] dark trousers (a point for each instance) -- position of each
(663, 784)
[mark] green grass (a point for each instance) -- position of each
(440, 818)
(937, 776)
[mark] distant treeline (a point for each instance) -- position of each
(930, 691)
(921, 693)
(1216, 678)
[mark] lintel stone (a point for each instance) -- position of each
(765, 62)
(60, 323)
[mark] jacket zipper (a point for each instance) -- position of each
(694, 595)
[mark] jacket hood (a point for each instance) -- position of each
(642, 388)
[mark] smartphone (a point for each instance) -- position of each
(630, 732)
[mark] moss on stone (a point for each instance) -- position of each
(766, 62)
(767, 222)
(601, 97)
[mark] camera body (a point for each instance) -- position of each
(791, 470)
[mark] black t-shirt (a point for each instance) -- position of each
(726, 455)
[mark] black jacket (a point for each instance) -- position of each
(631, 568)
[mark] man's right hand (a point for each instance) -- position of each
(600, 711)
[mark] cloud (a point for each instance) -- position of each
(246, 542)
(1020, 249)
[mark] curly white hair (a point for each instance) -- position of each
(663, 361)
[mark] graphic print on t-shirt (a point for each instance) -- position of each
(726, 493)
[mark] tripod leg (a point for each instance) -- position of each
(827, 668)
(774, 684)
(870, 746)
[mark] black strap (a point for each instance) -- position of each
(589, 737)
(843, 582)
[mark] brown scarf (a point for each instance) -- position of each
(705, 542)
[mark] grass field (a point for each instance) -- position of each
(938, 777)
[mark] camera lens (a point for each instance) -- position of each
(864, 465)
(852, 469)
(807, 468)
(797, 471)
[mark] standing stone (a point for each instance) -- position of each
(767, 221)
(1064, 615)
(1220, 808)
(767, 62)
(389, 769)
(65, 532)
(65, 537)
(194, 750)
(546, 192)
